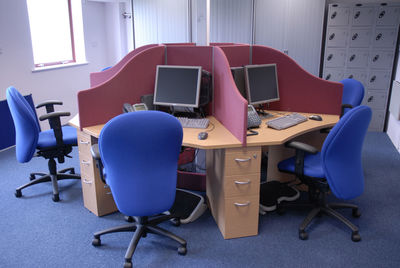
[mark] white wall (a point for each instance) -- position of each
(16, 59)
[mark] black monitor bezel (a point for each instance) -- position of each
(196, 105)
(246, 67)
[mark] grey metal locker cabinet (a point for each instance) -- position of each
(360, 43)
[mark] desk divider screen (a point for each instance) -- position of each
(99, 104)
(100, 77)
(299, 90)
(230, 108)
(238, 55)
(190, 56)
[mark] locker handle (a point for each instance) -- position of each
(330, 56)
(333, 15)
(357, 14)
(382, 14)
(373, 79)
(375, 58)
(352, 57)
(328, 76)
(351, 76)
(370, 99)
(354, 36)
(332, 36)
(378, 37)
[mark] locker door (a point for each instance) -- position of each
(376, 99)
(384, 37)
(388, 16)
(378, 118)
(335, 57)
(332, 74)
(357, 58)
(378, 79)
(381, 59)
(336, 37)
(360, 37)
(363, 16)
(338, 16)
(358, 74)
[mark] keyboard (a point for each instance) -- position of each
(194, 122)
(286, 121)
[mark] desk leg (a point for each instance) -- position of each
(233, 189)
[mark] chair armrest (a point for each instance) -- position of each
(53, 115)
(55, 124)
(49, 105)
(345, 106)
(96, 155)
(301, 146)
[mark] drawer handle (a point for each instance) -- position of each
(243, 160)
(243, 182)
(87, 182)
(108, 193)
(84, 162)
(83, 142)
(242, 204)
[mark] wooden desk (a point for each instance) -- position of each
(233, 171)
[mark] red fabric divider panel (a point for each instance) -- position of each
(237, 55)
(179, 44)
(299, 91)
(190, 56)
(230, 108)
(99, 77)
(99, 104)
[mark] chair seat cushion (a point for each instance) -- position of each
(47, 138)
(312, 165)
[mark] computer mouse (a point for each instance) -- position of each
(315, 117)
(203, 135)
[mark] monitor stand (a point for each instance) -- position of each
(263, 114)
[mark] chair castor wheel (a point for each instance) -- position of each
(303, 235)
(96, 242)
(128, 265)
(72, 171)
(56, 197)
(32, 177)
(182, 250)
(176, 222)
(355, 236)
(18, 193)
(280, 210)
(129, 219)
(356, 213)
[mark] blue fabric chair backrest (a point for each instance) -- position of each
(341, 153)
(353, 92)
(26, 125)
(140, 154)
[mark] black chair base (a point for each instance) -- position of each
(328, 209)
(68, 173)
(141, 227)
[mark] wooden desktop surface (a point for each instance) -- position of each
(220, 137)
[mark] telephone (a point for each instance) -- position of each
(253, 119)
(127, 108)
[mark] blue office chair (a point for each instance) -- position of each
(140, 154)
(337, 168)
(353, 94)
(52, 144)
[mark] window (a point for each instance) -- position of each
(56, 31)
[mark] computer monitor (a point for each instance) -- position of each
(177, 86)
(238, 77)
(261, 83)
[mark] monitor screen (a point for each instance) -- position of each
(177, 85)
(261, 83)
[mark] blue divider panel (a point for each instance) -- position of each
(7, 130)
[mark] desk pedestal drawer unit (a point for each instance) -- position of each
(96, 195)
(233, 186)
